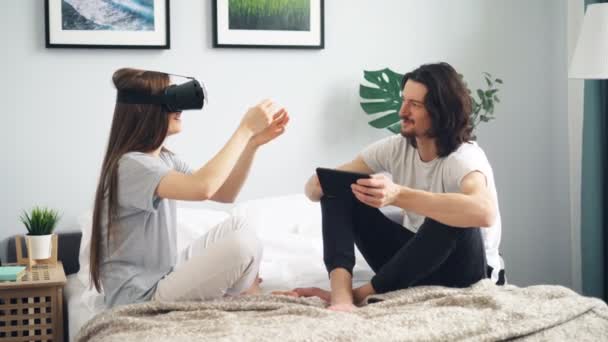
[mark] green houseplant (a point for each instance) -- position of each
(40, 224)
(383, 98)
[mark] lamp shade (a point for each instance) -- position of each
(590, 60)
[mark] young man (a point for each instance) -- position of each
(443, 182)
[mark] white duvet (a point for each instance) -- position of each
(289, 227)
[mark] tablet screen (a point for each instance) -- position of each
(336, 183)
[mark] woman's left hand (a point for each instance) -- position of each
(275, 129)
(377, 191)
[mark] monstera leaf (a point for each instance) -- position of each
(383, 99)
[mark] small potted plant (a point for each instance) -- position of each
(40, 224)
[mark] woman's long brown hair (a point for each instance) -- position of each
(135, 127)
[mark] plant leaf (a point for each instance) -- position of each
(395, 128)
(370, 93)
(385, 79)
(386, 120)
(384, 97)
(40, 221)
(378, 107)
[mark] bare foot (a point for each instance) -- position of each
(255, 287)
(346, 307)
(285, 293)
(314, 292)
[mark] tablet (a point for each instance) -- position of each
(336, 183)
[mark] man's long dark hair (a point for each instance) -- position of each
(448, 103)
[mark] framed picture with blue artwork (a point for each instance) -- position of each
(269, 24)
(115, 24)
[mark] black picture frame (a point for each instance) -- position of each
(225, 37)
(57, 37)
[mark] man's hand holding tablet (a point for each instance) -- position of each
(337, 183)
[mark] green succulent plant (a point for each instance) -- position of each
(40, 221)
(384, 99)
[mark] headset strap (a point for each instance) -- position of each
(133, 97)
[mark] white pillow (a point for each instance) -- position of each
(85, 222)
(293, 214)
(191, 223)
(290, 227)
(194, 222)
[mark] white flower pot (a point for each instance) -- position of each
(40, 246)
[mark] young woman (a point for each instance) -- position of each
(133, 248)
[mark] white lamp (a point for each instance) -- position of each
(590, 59)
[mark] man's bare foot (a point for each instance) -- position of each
(341, 288)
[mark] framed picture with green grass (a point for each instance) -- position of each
(290, 24)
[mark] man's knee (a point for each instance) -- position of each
(434, 228)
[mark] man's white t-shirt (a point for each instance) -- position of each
(396, 156)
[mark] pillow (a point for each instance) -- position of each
(85, 222)
(194, 222)
(293, 214)
(191, 223)
(290, 227)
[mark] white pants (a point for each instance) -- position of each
(224, 261)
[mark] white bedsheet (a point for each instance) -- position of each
(82, 304)
(289, 227)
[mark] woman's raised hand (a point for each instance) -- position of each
(277, 127)
(258, 117)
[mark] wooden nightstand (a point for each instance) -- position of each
(32, 308)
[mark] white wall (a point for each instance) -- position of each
(60, 101)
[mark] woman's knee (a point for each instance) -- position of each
(245, 245)
(243, 223)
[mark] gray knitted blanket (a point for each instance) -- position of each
(483, 312)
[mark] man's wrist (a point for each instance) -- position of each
(404, 197)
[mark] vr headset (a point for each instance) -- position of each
(175, 98)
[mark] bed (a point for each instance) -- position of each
(289, 227)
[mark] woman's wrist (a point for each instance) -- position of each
(245, 131)
(252, 145)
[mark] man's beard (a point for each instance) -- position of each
(410, 134)
(405, 134)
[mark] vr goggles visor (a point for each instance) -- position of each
(175, 98)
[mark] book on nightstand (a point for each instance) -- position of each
(11, 273)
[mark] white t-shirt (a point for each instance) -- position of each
(396, 156)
